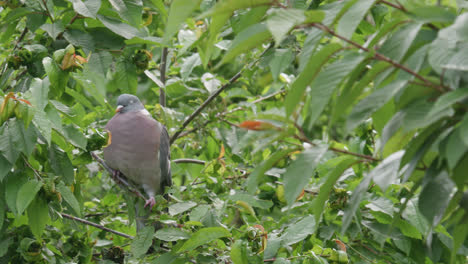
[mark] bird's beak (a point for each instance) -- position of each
(117, 110)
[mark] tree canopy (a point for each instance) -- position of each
(302, 131)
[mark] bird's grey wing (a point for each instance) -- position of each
(165, 158)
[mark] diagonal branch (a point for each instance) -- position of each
(213, 96)
(122, 182)
(381, 57)
(86, 222)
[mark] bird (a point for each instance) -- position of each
(138, 148)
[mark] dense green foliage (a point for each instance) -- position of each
(342, 136)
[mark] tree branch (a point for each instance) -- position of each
(86, 222)
(122, 182)
(381, 57)
(162, 90)
(212, 97)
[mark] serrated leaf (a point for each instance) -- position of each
(246, 40)
(58, 77)
(38, 216)
(255, 177)
(178, 208)
(61, 164)
(386, 172)
(298, 231)
(69, 197)
(5, 166)
(340, 164)
(353, 16)
(307, 75)
(80, 39)
(178, 12)
(239, 253)
(26, 194)
(38, 93)
(121, 29)
(281, 61)
(448, 99)
(435, 197)
(204, 236)
(4, 245)
(299, 172)
(53, 29)
(142, 242)
(171, 234)
(129, 10)
(87, 8)
(414, 216)
(398, 44)
(75, 136)
(125, 76)
(282, 21)
(327, 82)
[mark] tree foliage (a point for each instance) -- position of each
(303, 131)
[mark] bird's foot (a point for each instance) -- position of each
(150, 202)
(116, 176)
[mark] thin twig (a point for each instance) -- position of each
(119, 180)
(162, 90)
(400, 7)
(36, 173)
(21, 37)
(381, 57)
(47, 10)
(212, 97)
(86, 222)
(195, 161)
(253, 102)
(74, 18)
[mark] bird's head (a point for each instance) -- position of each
(128, 103)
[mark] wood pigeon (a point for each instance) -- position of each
(139, 147)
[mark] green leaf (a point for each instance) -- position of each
(142, 242)
(80, 39)
(12, 187)
(61, 164)
(353, 16)
(398, 44)
(93, 83)
(246, 40)
(408, 229)
(58, 77)
(281, 61)
(3, 208)
(75, 136)
(4, 245)
(129, 10)
(178, 208)
(299, 172)
(204, 236)
(125, 76)
(179, 11)
(239, 253)
(38, 216)
(371, 103)
(386, 172)
(42, 124)
(26, 194)
(5, 166)
(327, 82)
(435, 197)
(38, 93)
(255, 177)
(282, 21)
(121, 29)
(340, 164)
(100, 62)
(307, 75)
(53, 29)
(298, 231)
(171, 234)
(354, 202)
(460, 233)
(188, 65)
(69, 197)
(88, 8)
(432, 13)
(251, 200)
(448, 99)
(7, 143)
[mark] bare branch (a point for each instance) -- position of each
(86, 222)
(122, 182)
(212, 97)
